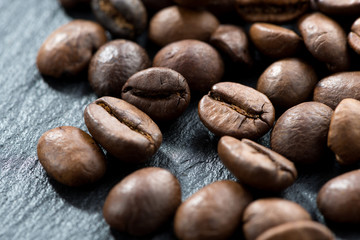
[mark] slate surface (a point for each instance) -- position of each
(32, 206)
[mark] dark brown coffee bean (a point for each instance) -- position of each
(221, 7)
(232, 40)
(122, 129)
(301, 230)
(176, 23)
(74, 3)
(71, 156)
(354, 36)
(157, 4)
(248, 160)
(123, 18)
(338, 199)
(325, 40)
(300, 134)
(143, 201)
(274, 41)
(113, 64)
(336, 7)
(236, 110)
(271, 10)
(344, 135)
(287, 82)
(198, 62)
(264, 214)
(161, 93)
(68, 50)
(331, 90)
(214, 212)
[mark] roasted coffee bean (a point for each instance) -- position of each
(354, 36)
(331, 90)
(143, 201)
(232, 40)
(214, 212)
(122, 129)
(271, 10)
(300, 230)
(274, 41)
(336, 7)
(198, 62)
(221, 7)
(176, 23)
(325, 40)
(236, 110)
(161, 93)
(123, 18)
(68, 50)
(248, 160)
(287, 82)
(113, 64)
(157, 4)
(264, 214)
(192, 3)
(338, 199)
(344, 131)
(74, 3)
(300, 134)
(71, 156)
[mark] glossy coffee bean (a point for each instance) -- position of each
(232, 40)
(300, 230)
(143, 201)
(274, 41)
(157, 4)
(300, 134)
(172, 24)
(123, 18)
(113, 64)
(335, 7)
(198, 62)
(287, 82)
(354, 36)
(71, 156)
(264, 214)
(122, 129)
(74, 3)
(161, 93)
(344, 132)
(338, 199)
(333, 89)
(236, 110)
(68, 50)
(248, 160)
(325, 40)
(271, 10)
(213, 212)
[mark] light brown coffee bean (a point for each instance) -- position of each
(264, 214)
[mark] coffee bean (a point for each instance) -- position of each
(264, 214)
(123, 18)
(143, 201)
(354, 36)
(236, 110)
(287, 82)
(122, 129)
(214, 212)
(157, 4)
(71, 156)
(343, 7)
(221, 7)
(161, 93)
(308, 230)
(74, 3)
(198, 62)
(232, 40)
(344, 135)
(274, 41)
(113, 64)
(248, 160)
(331, 90)
(300, 134)
(68, 50)
(325, 40)
(271, 10)
(338, 198)
(176, 23)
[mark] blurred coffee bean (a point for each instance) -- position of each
(354, 36)
(336, 7)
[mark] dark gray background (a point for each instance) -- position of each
(34, 207)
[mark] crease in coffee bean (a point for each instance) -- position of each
(154, 95)
(272, 8)
(111, 11)
(126, 123)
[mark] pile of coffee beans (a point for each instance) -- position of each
(317, 110)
